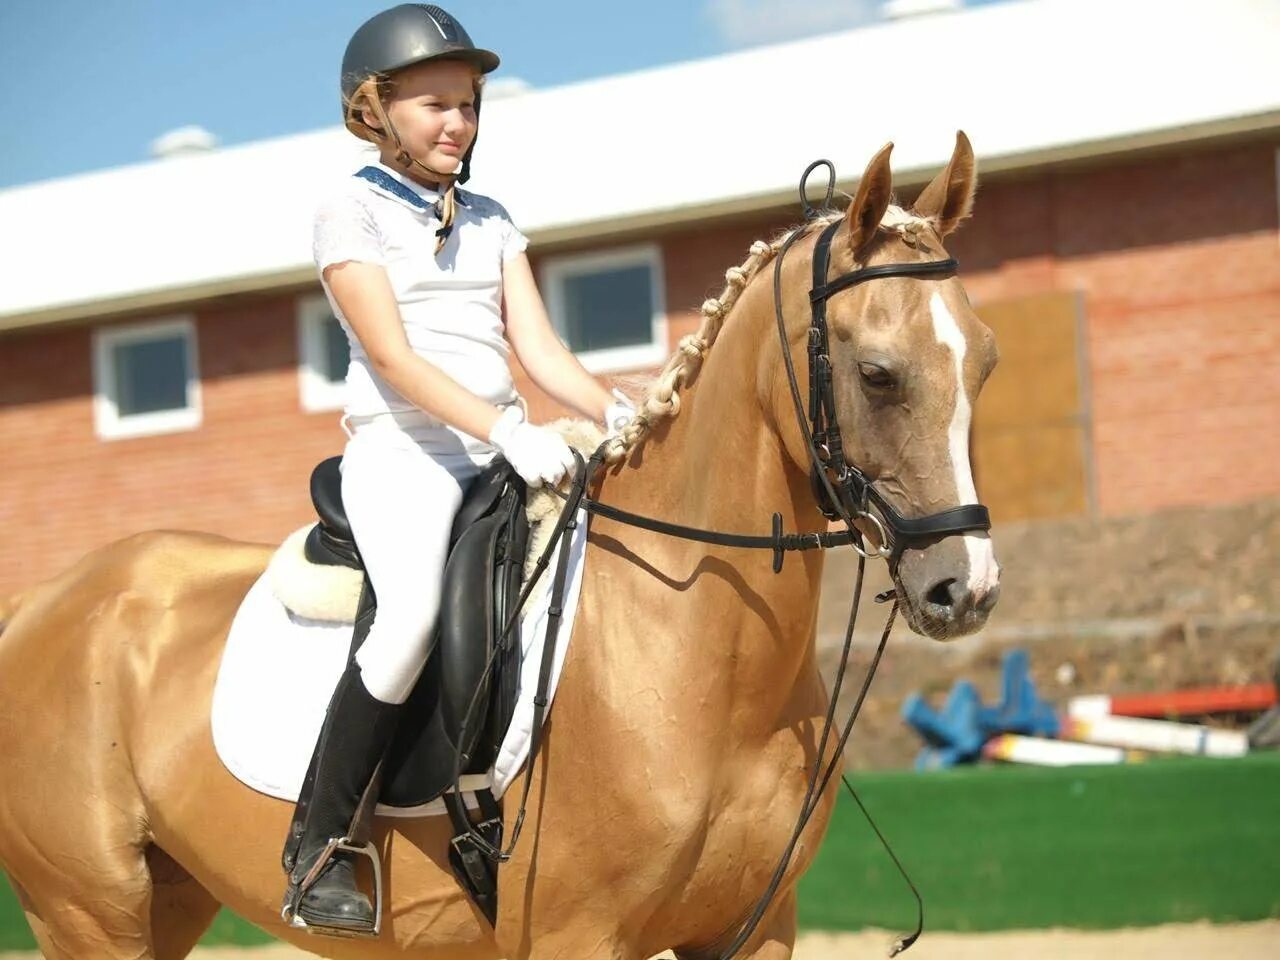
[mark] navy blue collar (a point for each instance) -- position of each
(385, 181)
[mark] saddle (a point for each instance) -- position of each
(482, 580)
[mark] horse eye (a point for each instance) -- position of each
(875, 376)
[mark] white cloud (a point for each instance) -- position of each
(744, 23)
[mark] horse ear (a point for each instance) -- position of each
(875, 190)
(949, 198)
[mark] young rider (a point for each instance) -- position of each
(418, 272)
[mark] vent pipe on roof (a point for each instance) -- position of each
(905, 9)
(182, 142)
(504, 87)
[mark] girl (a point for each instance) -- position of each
(418, 272)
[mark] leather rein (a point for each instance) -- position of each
(843, 492)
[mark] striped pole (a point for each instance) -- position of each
(1156, 735)
(1014, 748)
(1177, 703)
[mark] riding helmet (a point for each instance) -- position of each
(404, 35)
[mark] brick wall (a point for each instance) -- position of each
(1176, 259)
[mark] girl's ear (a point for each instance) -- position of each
(369, 117)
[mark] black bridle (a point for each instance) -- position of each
(849, 493)
(842, 492)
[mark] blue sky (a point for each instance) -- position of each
(90, 84)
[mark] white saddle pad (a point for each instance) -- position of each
(279, 670)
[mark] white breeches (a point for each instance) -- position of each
(401, 490)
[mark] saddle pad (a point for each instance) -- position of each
(279, 670)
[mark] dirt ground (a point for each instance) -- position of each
(1181, 598)
(1194, 941)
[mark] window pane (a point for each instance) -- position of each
(608, 308)
(337, 351)
(151, 375)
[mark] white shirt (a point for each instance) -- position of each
(450, 304)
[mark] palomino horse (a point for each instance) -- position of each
(688, 713)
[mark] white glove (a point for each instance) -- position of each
(539, 455)
(617, 415)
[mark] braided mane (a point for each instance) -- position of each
(661, 397)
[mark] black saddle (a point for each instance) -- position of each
(482, 579)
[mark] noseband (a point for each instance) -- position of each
(842, 490)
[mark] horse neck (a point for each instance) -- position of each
(719, 465)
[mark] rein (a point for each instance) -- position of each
(842, 492)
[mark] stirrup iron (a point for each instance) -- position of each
(293, 897)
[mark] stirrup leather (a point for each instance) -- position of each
(293, 896)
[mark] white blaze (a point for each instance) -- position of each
(983, 572)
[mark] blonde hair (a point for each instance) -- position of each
(374, 93)
(661, 396)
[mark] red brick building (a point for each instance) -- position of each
(169, 362)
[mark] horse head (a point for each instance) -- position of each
(908, 359)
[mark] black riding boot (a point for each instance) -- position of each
(356, 732)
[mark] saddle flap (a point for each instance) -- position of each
(481, 584)
(483, 495)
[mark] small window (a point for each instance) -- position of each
(146, 379)
(324, 355)
(608, 308)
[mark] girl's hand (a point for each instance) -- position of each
(618, 414)
(539, 455)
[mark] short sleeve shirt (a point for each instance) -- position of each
(450, 303)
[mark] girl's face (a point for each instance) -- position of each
(434, 111)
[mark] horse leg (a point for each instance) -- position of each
(573, 943)
(92, 906)
(773, 939)
(105, 894)
(181, 909)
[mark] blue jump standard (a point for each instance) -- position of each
(957, 733)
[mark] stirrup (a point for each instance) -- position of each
(294, 894)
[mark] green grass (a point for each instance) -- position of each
(1024, 847)
(1020, 847)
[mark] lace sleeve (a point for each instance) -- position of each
(345, 230)
(514, 242)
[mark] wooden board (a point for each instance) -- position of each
(1030, 422)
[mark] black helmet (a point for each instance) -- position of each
(404, 35)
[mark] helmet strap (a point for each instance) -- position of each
(446, 209)
(403, 156)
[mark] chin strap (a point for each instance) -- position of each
(446, 181)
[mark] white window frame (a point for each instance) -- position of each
(316, 393)
(554, 271)
(108, 421)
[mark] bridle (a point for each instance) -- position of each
(842, 492)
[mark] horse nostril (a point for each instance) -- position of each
(940, 594)
(989, 599)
